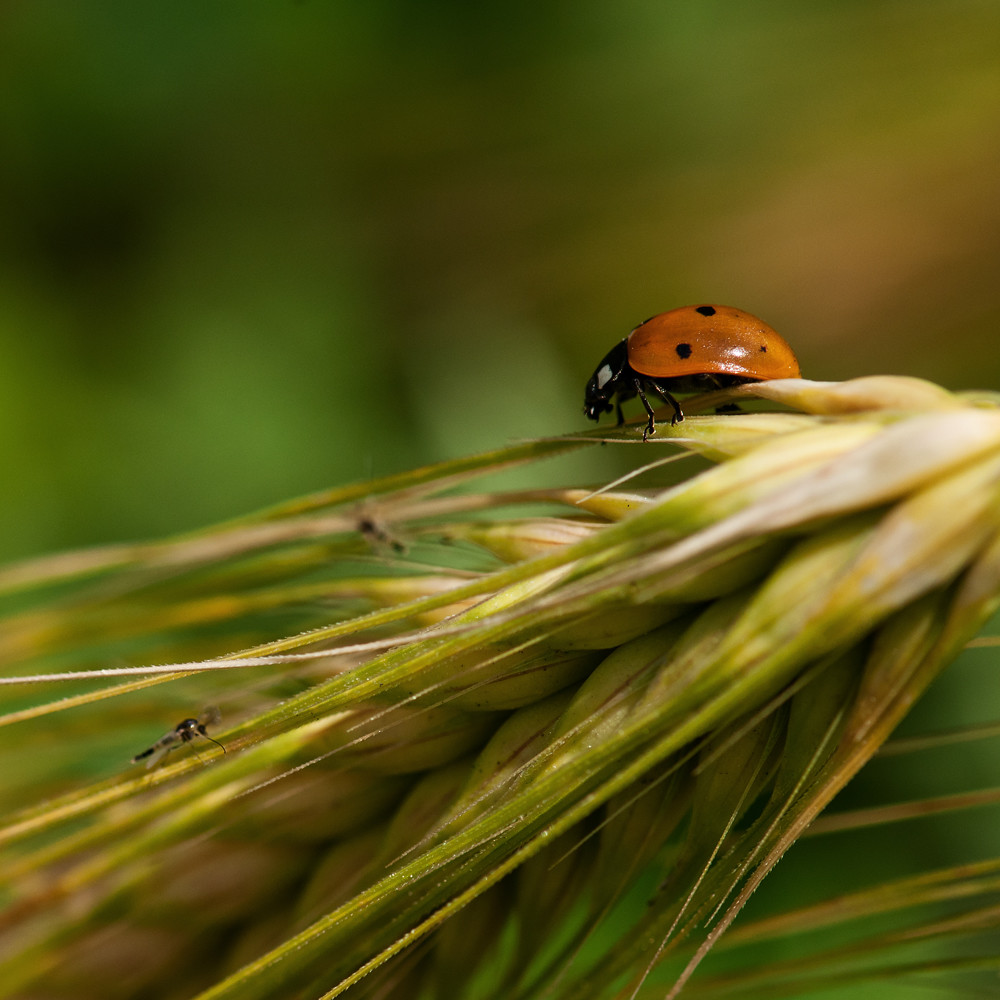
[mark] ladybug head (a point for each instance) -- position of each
(604, 383)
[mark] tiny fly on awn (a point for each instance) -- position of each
(183, 732)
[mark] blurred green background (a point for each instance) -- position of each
(250, 250)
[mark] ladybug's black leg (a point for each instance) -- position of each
(667, 398)
(650, 427)
(618, 410)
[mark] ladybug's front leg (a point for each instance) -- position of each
(650, 427)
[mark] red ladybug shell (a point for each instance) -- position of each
(696, 340)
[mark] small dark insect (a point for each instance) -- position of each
(377, 535)
(183, 732)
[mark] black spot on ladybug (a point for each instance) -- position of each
(705, 311)
(683, 350)
(763, 348)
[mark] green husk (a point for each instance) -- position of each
(481, 737)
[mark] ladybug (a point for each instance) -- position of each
(690, 349)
